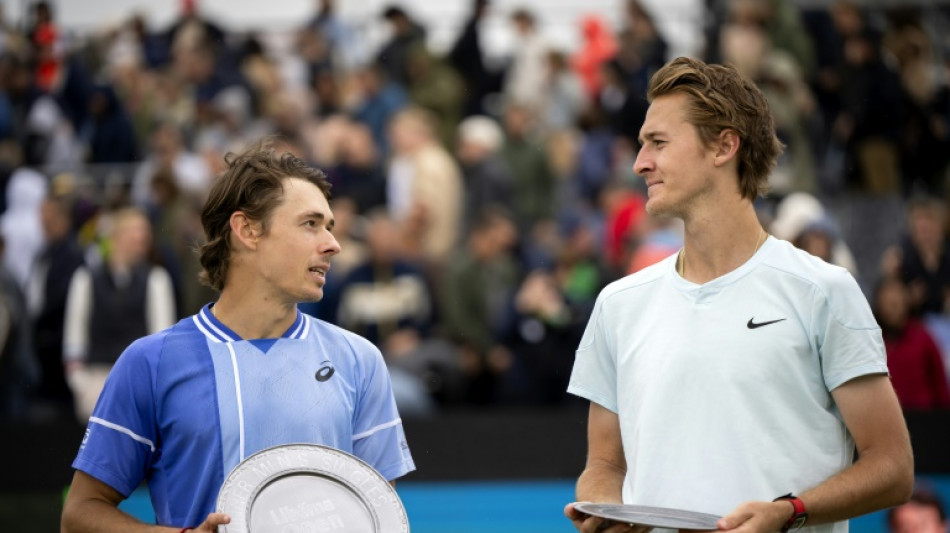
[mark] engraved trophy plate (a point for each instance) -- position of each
(302, 488)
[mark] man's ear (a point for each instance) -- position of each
(727, 147)
(245, 230)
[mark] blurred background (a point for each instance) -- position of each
(481, 158)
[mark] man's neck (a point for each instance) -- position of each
(720, 241)
(252, 316)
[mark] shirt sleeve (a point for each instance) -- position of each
(595, 365)
(121, 439)
(378, 436)
(848, 337)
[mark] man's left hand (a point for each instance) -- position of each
(757, 517)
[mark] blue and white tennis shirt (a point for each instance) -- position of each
(183, 407)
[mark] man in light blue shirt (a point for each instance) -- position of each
(183, 407)
(738, 376)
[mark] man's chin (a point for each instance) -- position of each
(311, 298)
(655, 208)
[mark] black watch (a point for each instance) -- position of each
(799, 517)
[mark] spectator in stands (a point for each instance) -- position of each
(266, 79)
(642, 48)
(488, 180)
(782, 20)
(599, 46)
(923, 513)
(379, 99)
(435, 86)
(563, 99)
(111, 304)
(424, 188)
(477, 290)
(830, 27)
(20, 224)
(406, 35)
(925, 140)
(44, 35)
(334, 30)
(385, 298)
(8, 33)
(208, 72)
(19, 371)
(167, 150)
(922, 259)
(467, 57)
(193, 29)
(357, 168)
(818, 238)
(534, 186)
(41, 126)
(547, 331)
(153, 48)
(654, 239)
(868, 125)
(46, 297)
(744, 42)
(177, 230)
(616, 109)
(623, 209)
(913, 359)
(525, 78)
(800, 212)
(108, 132)
(579, 271)
(327, 94)
(231, 127)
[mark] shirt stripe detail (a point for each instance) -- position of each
(203, 330)
(306, 327)
(240, 403)
(125, 430)
(295, 334)
(377, 429)
(207, 320)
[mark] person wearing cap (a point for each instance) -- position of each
(738, 376)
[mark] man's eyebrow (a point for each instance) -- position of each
(319, 216)
(650, 135)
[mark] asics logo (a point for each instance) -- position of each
(326, 371)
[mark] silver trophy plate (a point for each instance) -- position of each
(650, 516)
(306, 487)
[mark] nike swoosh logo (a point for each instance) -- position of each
(753, 325)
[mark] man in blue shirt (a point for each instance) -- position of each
(183, 407)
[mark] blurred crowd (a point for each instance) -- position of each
(480, 205)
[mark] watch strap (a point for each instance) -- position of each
(799, 516)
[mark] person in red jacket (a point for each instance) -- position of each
(913, 358)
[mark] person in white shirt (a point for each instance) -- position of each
(111, 304)
(738, 376)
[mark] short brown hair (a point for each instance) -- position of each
(722, 99)
(253, 184)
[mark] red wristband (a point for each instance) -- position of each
(184, 529)
(799, 515)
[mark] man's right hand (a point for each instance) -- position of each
(586, 523)
(210, 525)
